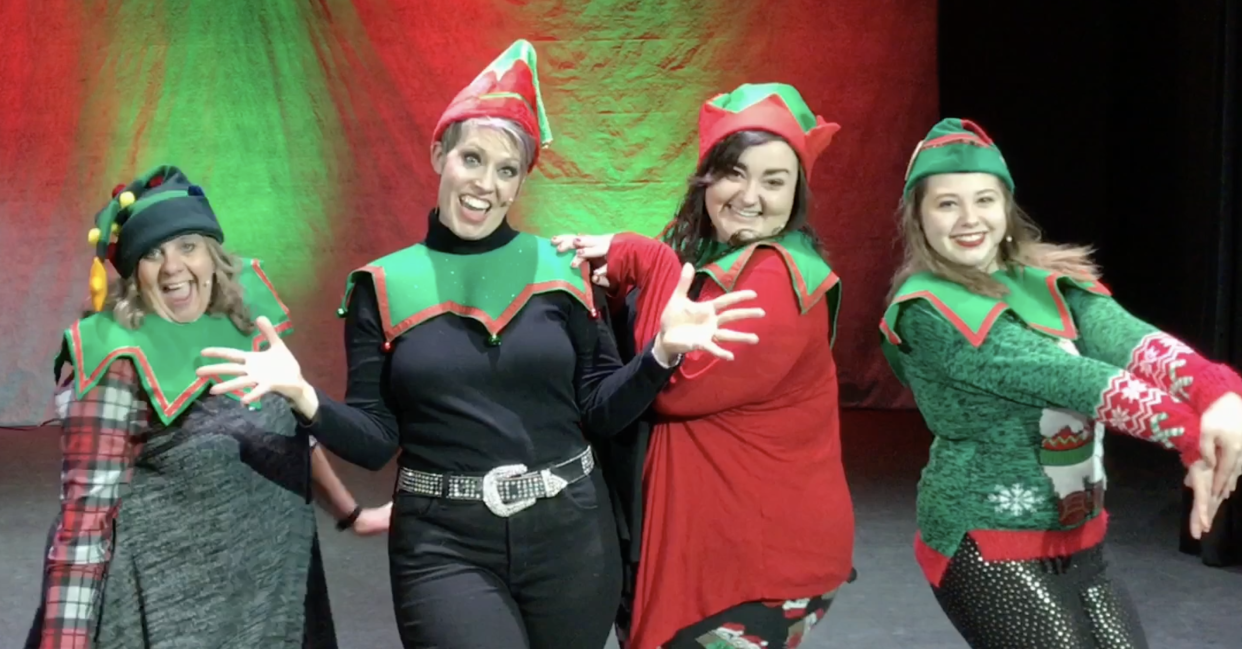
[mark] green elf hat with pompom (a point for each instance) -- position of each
(158, 206)
(776, 108)
(507, 88)
(956, 146)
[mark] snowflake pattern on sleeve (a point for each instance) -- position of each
(1134, 407)
(1158, 359)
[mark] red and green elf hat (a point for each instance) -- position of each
(773, 107)
(508, 88)
(956, 146)
(157, 206)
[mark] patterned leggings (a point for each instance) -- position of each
(1067, 603)
(755, 625)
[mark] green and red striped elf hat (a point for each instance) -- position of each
(508, 88)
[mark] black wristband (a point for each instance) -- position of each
(348, 521)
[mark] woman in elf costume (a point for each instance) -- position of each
(1018, 359)
(747, 526)
(185, 516)
(483, 358)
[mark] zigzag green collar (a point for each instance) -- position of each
(166, 353)
(1035, 295)
(812, 277)
(417, 284)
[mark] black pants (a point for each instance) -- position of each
(548, 577)
(1067, 603)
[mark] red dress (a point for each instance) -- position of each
(745, 494)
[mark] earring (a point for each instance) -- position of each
(1008, 238)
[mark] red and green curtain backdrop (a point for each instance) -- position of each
(308, 124)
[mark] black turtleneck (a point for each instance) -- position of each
(453, 403)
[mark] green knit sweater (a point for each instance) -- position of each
(1018, 392)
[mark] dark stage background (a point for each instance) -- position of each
(1123, 130)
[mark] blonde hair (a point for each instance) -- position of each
(1022, 246)
(128, 307)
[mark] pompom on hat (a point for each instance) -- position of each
(158, 206)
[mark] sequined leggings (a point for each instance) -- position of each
(1066, 603)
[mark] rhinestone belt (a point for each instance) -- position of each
(505, 490)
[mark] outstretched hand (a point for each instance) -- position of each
(271, 370)
(686, 325)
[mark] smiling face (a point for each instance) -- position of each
(756, 198)
(479, 178)
(175, 278)
(964, 218)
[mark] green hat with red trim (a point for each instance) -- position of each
(158, 206)
(508, 88)
(956, 146)
(772, 107)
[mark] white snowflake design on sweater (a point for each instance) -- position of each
(1015, 500)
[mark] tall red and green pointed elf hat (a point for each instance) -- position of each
(508, 88)
(956, 146)
(157, 206)
(773, 107)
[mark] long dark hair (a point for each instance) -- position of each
(691, 233)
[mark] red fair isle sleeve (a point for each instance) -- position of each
(1017, 364)
(635, 261)
(98, 447)
(705, 384)
(1110, 333)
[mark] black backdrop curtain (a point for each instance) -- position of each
(1121, 126)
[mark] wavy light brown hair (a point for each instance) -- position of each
(1023, 246)
(692, 233)
(127, 306)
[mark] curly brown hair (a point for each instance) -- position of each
(1021, 247)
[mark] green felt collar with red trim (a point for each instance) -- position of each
(417, 284)
(812, 277)
(166, 353)
(1036, 296)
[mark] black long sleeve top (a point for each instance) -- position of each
(452, 403)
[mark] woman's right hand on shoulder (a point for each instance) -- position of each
(272, 370)
(589, 248)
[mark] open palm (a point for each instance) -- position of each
(687, 325)
(272, 370)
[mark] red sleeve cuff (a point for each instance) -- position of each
(1212, 382)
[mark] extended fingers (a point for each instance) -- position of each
(733, 315)
(269, 332)
(1226, 468)
(1201, 509)
(730, 336)
(255, 394)
(729, 299)
(231, 385)
(218, 369)
(225, 353)
(716, 350)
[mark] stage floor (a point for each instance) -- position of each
(1183, 603)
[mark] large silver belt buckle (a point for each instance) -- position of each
(491, 492)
